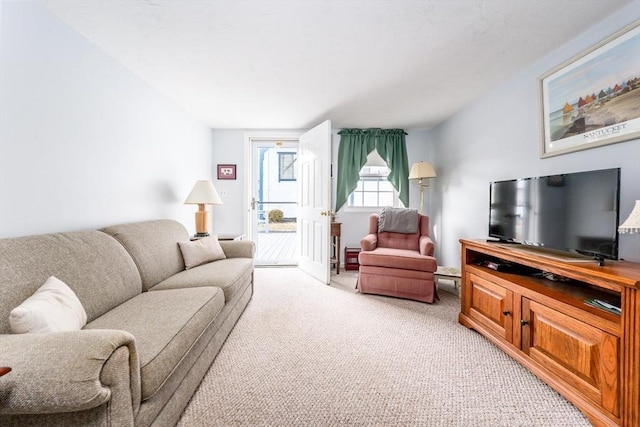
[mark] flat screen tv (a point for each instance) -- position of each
(572, 212)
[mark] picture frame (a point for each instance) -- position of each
(226, 171)
(591, 99)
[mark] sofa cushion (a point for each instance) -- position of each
(153, 245)
(201, 251)
(398, 259)
(95, 266)
(227, 274)
(166, 324)
(52, 308)
(399, 241)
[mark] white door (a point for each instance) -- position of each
(314, 215)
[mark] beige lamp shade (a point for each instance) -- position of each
(632, 224)
(422, 170)
(203, 192)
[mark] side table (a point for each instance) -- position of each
(448, 273)
(335, 245)
(231, 236)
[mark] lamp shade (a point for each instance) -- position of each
(203, 192)
(422, 170)
(632, 224)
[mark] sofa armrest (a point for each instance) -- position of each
(238, 248)
(63, 371)
(369, 242)
(426, 246)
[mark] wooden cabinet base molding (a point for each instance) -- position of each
(535, 309)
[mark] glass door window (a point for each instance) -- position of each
(274, 202)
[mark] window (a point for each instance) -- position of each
(287, 166)
(373, 189)
(387, 144)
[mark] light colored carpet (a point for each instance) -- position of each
(308, 354)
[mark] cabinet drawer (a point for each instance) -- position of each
(491, 305)
(581, 355)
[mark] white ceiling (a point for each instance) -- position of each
(291, 64)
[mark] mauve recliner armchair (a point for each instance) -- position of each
(398, 264)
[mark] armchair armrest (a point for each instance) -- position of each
(63, 371)
(426, 246)
(369, 242)
(238, 248)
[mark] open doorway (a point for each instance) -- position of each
(302, 162)
(274, 200)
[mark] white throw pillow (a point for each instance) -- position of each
(201, 251)
(54, 307)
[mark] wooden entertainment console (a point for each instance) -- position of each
(533, 307)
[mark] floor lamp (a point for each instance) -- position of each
(422, 171)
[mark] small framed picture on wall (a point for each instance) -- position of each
(226, 171)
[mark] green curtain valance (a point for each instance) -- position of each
(356, 144)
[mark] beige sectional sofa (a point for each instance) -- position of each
(153, 327)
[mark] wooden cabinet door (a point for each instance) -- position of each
(491, 305)
(579, 354)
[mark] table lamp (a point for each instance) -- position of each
(420, 171)
(632, 224)
(203, 193)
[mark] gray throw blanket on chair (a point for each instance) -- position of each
(398, 220)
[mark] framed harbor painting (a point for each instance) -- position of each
(594, 98)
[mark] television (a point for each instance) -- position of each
(571, 213)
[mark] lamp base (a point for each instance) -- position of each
(202, 222)
(421, 210)
(201, 235)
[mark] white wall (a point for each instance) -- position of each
(497, 137)
(84, 142)
(228, 148)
